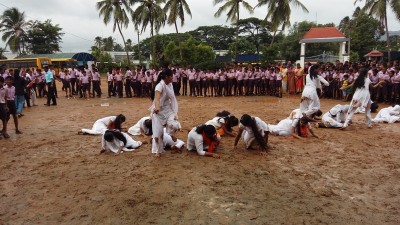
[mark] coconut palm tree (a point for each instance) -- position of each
(177, 9)
(379, 9)
(233, 7)
(150, 12)
(279, 12)
(98, 41)
(13, 26)
(118, 11)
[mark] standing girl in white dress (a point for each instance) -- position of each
(361, 97)
(164, 111)
(253, 129)
(309, 98)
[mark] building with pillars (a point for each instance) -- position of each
(323, 35)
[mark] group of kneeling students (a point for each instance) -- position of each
(206, 137)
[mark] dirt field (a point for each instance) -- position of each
(51, 175)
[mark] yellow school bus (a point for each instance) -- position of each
(63, 63)
(38, 63)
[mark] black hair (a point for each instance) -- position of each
(317, 113)
(249, 121)
(346, 76)
(110, 134)
(118, 121)
(1, 79)
(209, 130)
(313, 71)
(223, 113)
(360, 81)
(165, 73)
(303, 120)
(16, 73)
(231, 121)
(148, 124)
(374, 107)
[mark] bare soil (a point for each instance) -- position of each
(51, 175)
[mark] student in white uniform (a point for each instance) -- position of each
(142, 127)
(101, 125)
(169, 140)
(313, 117)
(223, 123)
(335, 117)
(388, 115)
(203, 140)
(116, 141)
(164, 110)
(169, 143)
(253, 129)
(283, 128)
(301, 128)
(309, 98)
(361, 97)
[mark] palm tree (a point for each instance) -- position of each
(279, 12)
(98, 41)
(13, 26)
(379, 8)
(115, 10)
(233, 7)
(150, 12)
(177, 8)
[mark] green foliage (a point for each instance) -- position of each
(354, 56)
(290, 47)
(243, 46)
(218, 37)
(364, 33)
(14, 27)
(193, 52)
(161, 43)
(44, 37)
(270, 53)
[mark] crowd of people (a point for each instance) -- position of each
(361, 84)
(163, 122)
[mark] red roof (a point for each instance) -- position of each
(374, 53)
(323, 32)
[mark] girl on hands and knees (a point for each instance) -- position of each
(253, 129)
(203, 139)
(116, 141)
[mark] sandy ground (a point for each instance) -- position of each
(51, 175)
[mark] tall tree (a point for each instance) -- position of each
(150, 12)
(177, 9)
(98, 42)
(364, 32)
(255, 30)
(14, 27)
(379, 9)
(233, 7)
(44, 37)
(218, 37)
(279, 12)
(118, 11)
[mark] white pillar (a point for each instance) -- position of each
(342, 51)
(302, 54)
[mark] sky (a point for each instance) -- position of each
(81, 22)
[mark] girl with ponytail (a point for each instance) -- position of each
(253, 129)
(310, 103)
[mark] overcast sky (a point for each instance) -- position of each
(81, 23)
